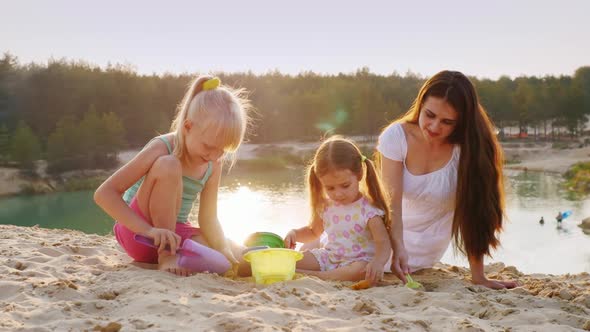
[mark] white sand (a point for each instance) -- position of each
(10, 181)
(69, 281)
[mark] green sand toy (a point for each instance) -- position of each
(264, 239)
(411, 283)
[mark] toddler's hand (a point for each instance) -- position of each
(290, 239)
(163, 237)
(374, 272)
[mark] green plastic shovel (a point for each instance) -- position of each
(411, 283)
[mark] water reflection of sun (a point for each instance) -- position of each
(240, 212)
(248, 209)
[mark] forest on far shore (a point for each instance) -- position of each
(78, 116)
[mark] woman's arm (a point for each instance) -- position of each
(478, 277)
(374, 270)
(392, 176)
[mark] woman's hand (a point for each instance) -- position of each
(399, 263)
(494, 284)
(374, 272)
(290, 239)
(163, 237)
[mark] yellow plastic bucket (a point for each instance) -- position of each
(273, 264)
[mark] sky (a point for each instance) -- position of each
(480, 38)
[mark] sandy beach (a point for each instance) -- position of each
(70, 281)
(64, 280)
(545, 159)
(10, 181)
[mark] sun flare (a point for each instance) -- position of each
(240, 212)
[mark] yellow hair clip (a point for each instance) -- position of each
(211, 84)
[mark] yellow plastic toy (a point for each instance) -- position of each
(211, 84)
(273, 264)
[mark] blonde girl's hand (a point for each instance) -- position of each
(290, 239)
(164, 237)
(228, 253)
(235, 265)
(374, 272)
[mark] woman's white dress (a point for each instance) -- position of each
(428, 201)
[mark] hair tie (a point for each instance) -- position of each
(211, 84)
(363, 158)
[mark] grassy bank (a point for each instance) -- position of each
(578, 178)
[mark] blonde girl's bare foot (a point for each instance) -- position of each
(169, 263)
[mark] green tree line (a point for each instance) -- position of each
(78, 115)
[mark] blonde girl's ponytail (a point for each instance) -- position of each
(195, 87)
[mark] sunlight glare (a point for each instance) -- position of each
(240, 212)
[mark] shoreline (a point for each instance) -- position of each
(68, 280)
(544, 158)
(540, 157)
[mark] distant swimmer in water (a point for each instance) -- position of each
(559, 217)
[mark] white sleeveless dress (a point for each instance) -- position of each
(428, 201)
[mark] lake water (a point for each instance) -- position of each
(276, 202)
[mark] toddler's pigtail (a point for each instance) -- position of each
(376, 191)
(315, 192)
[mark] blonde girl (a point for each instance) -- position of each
(153, 194)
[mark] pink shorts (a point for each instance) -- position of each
(141, 252)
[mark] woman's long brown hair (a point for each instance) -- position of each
(479, 201)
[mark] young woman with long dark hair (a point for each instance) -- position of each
(442, 166)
